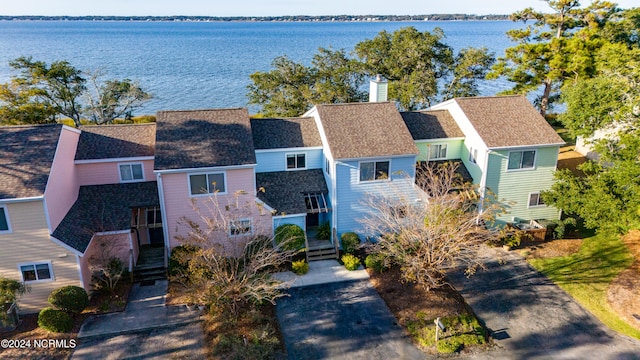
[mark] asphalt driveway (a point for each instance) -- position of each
(341, 320)
(532, 318)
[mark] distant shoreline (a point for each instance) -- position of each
(292, 18)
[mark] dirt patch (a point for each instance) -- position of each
(550, 249)
(569, 159)
(28, 331)
(623, 294)
(176, 294)
(406, 301)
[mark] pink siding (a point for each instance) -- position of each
(104, 246)
(62, 186)
(108, 172)
(177, 203)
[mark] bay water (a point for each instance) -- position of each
(199, 65)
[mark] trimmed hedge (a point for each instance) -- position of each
(300, 267)
(70, 298)
(292, 234)
(54, 320)
(350, 242)
(350, 262)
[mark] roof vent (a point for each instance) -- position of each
(378, 89)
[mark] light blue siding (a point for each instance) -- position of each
(454, 148)
(277, 160)
(351, 193)
(300, 220)
(512, 188)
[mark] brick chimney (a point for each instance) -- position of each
(378, 89)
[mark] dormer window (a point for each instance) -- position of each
(296, 161)
(131, 172)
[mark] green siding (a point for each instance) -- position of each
(454, 148)
(512, 188)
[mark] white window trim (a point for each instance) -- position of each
(131, 164)
(535, 160)
(374, 177)
(529, 206)
(437, 158)
(34, 263)
(473, 155)
(6, 217)
(286, 155)
(249, 233)
(224, 174)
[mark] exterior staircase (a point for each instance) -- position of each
(150, 264)
(321, 250)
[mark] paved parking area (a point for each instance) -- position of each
(341, 320)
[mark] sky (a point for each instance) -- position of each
(272, 7)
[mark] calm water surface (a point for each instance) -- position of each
(190, 65)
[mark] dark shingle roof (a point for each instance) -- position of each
(116, 141)
(283, 190)
(461, 170)
(506, 121)
(203, 138)
(26, 156)
(431, 124)
(359, 130)
(285, 133)
(104, 208)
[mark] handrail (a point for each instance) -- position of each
(336, 246)
(306, 246)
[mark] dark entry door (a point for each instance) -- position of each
(312, 219)
(156, 236)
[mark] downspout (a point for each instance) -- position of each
(483, 184)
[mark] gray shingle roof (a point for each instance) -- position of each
(283, 190)
(116, 141)
(431, 124)
(104, 208)
(506, 121)
(285, 133)
(360, 130)
(26, 156)
(203, 138)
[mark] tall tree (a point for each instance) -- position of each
(554, 48)
(59, 84)
(22, 104)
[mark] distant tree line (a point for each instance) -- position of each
(435, 17)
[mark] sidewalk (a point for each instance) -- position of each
(322, 272)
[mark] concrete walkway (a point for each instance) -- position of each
(146, 329)
(322, 272)
(532, 318)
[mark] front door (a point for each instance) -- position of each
(313, 219)
(156, 236)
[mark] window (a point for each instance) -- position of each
(131, 172)
(240, 227)
(296, 161)
(521, 160)
(207, 183)
(4, 220)
(438, 151)
(374, 170)
(154, 217)
(535, 200)
(327, 167)
(36, 271)
(473, 155)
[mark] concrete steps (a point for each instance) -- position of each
(150, 264)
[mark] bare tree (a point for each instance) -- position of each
(106, 268)
(439, 229)
(111, 99)
(232, 259)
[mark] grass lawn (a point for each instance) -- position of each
(586, 276)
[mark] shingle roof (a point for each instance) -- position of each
(431, 124)
(26, 156)
(203, 138)
(285, 133)
(283, 190)
(116, 141)
(506, 121)
(359, 130)
(104, 208)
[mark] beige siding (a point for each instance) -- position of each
(29, 242)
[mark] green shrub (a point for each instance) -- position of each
(70, 298)
(10, 289)
(375, 262)
(449, 346)
(350, 242)
(300, 267)
(291, 235)
(179, 259)
(55, 320)
(324, 231)
(350, 262)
